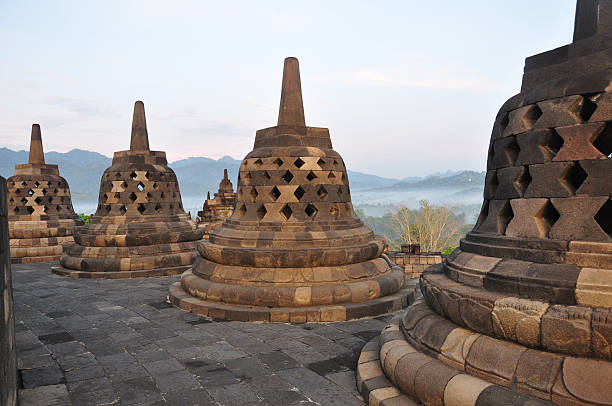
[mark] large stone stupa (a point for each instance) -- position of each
(521, 314)
(294, 249)
(40, 213)
(140, 227)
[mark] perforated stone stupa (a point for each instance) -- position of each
(522, 312)
(293, 250)
(217, 209)
(140, 227)
(40, 213)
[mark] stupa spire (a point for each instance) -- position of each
(291, 111)
(37, 155)
(140, 137)
(225, 174)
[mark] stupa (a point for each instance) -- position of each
(521, 313)
(293, 249)
(216, 210)
(40, 213)
(140, 227)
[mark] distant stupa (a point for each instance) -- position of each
(40, 213)
(216, 210)
(140, 227)
(521, 312)
(293, 250)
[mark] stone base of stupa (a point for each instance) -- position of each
(430, 359)
(190, 296)
(145, 273)
(40, 241)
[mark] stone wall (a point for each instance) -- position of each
(414, 264)
(8, 358)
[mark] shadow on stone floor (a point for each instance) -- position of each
(99, 342)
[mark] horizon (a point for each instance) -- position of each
(424, 84)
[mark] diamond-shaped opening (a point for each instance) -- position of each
(504, 218)
(258, 162)
(141, 208)
(504, 123)
(147, 176)
(522, 181)
(44, 192)
(140, 186)
(331, 176)
(247, 178)
(241, 211)
(155, 186)
(288, 176)
(253, 193)
(158, 207)
(261, 212)
(551, 142)
(24, 184)
(531, 116)
(493, 184)
(334, 212)
(275, 193)
(572, 177)
(50, 200)
(299, 192)
(278, 162)
(298, 163)
(59, 208)
(24, 200)
(603, 141)
(133, 196)
(162, 195)
(107, 208)
(16, 209)
(123, 209)
(584, 108)
(30, 192)
(37, 200)
(45, 208)
(545, 218)
(512, 151)
(30, 209)
(118, 175)
(266, 176)
(36, 184)
(149, 196)
(322, 192)
(335, 162)
(311, 211)
(321, 162)
(133, 175)
(311, 176)
(604, 217)
(484, 213)
(286, 212)
(11, 200)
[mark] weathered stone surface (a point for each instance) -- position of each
(518, 320)
(293, 241)
(8, 354)
(140, 228)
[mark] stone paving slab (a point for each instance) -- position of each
(119, 342)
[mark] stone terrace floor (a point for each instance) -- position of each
(94, 342)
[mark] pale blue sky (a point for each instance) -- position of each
(406, 87)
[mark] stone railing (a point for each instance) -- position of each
(413, 261)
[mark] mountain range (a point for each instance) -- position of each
(197, 175)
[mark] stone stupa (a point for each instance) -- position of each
(140, 227)
(216, 210)
(293, 250)
(521, 313)
(40, 213)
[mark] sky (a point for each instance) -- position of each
(407, 88)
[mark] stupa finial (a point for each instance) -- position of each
(225, 174)
(291, 111)
(140, 137)
(37, 155)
